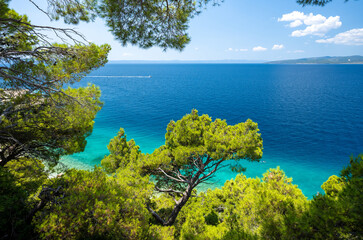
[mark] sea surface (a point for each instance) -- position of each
(310, 116)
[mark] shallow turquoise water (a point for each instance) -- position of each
(310, 116)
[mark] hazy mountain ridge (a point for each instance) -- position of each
(226, 61)
(356, 59)
(322, 60)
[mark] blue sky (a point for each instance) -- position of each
(244, 30)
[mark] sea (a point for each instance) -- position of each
(310, 116)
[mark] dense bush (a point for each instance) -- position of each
(94, 205)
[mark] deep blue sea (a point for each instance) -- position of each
(310, 116)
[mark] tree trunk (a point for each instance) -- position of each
(31, 214)
(179, 205)
(174, 214)
(176, 210)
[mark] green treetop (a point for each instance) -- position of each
(195, 149)
(123, 153)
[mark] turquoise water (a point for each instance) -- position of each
(310, 116)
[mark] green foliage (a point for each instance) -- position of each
(95, 206)
(122, 153)
(19, 184)
(333, 186)
(194, 226)
(39, 119)
(199, 135)
(338, 214)
(149, 23)
(160, 23)
(211, 218)
(4, 7)
(48, 131)
(195, 149)
(28, 174)
(13, 207)
(245, 209)
(72, 12)
(196, 146)
(315, 2)
(31, 57)
(351, 197)
(158, 232)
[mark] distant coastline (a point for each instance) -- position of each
(322, 60)
(313, 60)
(225, 61)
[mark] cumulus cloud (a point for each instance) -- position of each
(351, 37)
(278, 47)
(312, 19)
(320, 28)
(243, 50)
(259, 49)
(316, 24)
(230, 49)
(289, 17)
(296, 23)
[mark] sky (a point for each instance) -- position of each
(243, 30)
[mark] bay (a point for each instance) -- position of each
(310, 116)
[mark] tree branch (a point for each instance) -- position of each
(155, 214)
(170, 177)
(167, 190)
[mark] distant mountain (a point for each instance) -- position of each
(323, 60)
(183, 61)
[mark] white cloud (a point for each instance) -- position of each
(243, 50)
(278, 47)
(319, 29)
(196, 49)
(259, 49)
(127, 54)
(230, 49)
(295, 23)
(289, 17)
(316, 24)
(351, 37)
(312, 19)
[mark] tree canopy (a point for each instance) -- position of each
(195, 149)
(39, 117)
(95, 206)
(162, 23)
